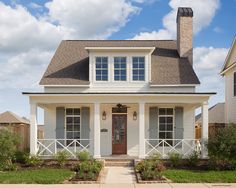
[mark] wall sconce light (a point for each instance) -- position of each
(104, 115)
(135, 115)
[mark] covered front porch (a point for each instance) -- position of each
(133, 125)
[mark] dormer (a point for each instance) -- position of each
(119, 66)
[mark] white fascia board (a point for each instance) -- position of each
(151, 49)
(122, 94)
(227, 57)
(179, 85)
(66, 85)
(226, 70)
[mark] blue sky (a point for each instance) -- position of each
(30, 31)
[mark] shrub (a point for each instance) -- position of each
(62, 157)
(9, 167)
(33, 160)
(8, 143)
(83, 156)
(155, 157)
(222, 148)
(150, 169)
(193, 159)
(88, 170)
(175, 159)
(19, 156)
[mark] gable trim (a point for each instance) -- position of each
(226, 70)
(223, 70)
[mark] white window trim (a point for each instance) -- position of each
(145, 68)
(129, 75)
(108, 70)
(72, 116)
(113, 70)
(173, 116)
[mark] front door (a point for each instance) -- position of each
(119, 134)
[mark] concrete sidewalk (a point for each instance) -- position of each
(124, 185)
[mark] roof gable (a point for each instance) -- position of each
(230, 60)
(216, 114)
(10, 117)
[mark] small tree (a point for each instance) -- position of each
(222, 146)
(8, 147)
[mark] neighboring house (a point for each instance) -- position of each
(121, 97)
(229, 72)
(216, 119)
(20, 126)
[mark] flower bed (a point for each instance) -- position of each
(150, 170)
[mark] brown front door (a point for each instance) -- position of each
(119, 134)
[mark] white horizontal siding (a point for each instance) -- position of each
(230, 99)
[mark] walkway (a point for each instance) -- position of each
(119, 175)
(161, 185)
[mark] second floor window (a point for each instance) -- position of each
(235, 84)
(101, 68)
(120, 68)
(138, 68)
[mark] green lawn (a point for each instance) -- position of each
(40, 176)
(188, 176)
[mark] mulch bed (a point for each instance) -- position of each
(75, 180)
(139, 180)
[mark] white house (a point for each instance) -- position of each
(229, 72)
(121, 97)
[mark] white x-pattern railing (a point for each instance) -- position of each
(49, 147)
(166, 146)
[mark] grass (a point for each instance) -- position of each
(188, 176)
(40, 176)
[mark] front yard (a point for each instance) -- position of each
(189, 176)
(40, 176)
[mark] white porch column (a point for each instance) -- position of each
(96, 135)
(33, 128)
(141, 130)
(204, 129)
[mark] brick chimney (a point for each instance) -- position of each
(185, 33)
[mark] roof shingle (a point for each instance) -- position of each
(70, 64)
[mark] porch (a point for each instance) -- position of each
(151, 126)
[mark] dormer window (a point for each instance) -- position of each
(101, 68)
(138, 66)
(120, 68)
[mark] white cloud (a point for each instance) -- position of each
(207, 64)
(35, 5)
(20, 31)
(96, 19)
(204, 12)
(24, 70)
(27, 41)
(218, 29)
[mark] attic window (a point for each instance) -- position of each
(101, 68)
(235, 84)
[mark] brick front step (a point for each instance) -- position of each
(119, 162)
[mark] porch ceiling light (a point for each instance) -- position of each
(104, 115)
(135, 115)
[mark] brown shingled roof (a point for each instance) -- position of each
(70, 64)
(10, 117)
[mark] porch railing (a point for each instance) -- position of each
(166, 146)
(49, 147)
